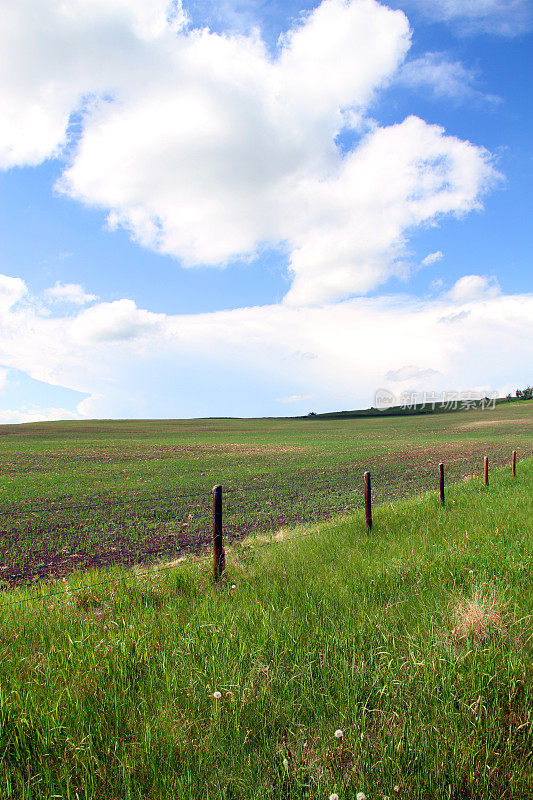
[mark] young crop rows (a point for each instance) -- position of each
(49, 539)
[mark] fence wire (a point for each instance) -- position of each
(53, 539)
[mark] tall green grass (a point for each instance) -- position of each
(415, 641)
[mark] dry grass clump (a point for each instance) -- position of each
(480, 617)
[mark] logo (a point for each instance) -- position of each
(384, 399)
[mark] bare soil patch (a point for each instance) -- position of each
(127, 455)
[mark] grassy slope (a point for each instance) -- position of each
(108, 693)
(403, 411)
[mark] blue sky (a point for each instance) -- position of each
(240, 194)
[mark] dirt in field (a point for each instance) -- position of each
(498, 423)
(38, 541)
(57, 563)
(447, 452)
(107, 455)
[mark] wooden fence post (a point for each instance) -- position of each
(441, 482)
(514, 463)
(219, 564)
(368, 501)
(486, 471)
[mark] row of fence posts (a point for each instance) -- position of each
(219, 558)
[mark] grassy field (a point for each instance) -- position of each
(414, 641)
(77, 495)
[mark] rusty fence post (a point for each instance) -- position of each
(514, 463)
(218, 546)
(441, 482)
(486, 471)
(368, 501)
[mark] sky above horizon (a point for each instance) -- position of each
(262, 208)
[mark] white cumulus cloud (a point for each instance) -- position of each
(11, 291)
(356, 223)
(207, 147)
(58, 56)
(132, 362)
(223, 152)
(471, 287)
(71, 293)
(120, 320)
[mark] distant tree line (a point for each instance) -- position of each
(523, 394)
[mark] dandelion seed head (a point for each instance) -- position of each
(339, 734)
(334, 796)
(217, 695)
(360, 796)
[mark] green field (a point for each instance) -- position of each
(77, 495)
(414, 640)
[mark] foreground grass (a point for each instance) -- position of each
(415, 641)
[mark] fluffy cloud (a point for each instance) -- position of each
(59, 56)
(398, 178)
(206, 147)
(432, 258)
(135, 363)
(71, 293)
(471, 287)
(344, 224)
(11, 291)
(503, 17)
(114, 322)
(231, 146)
